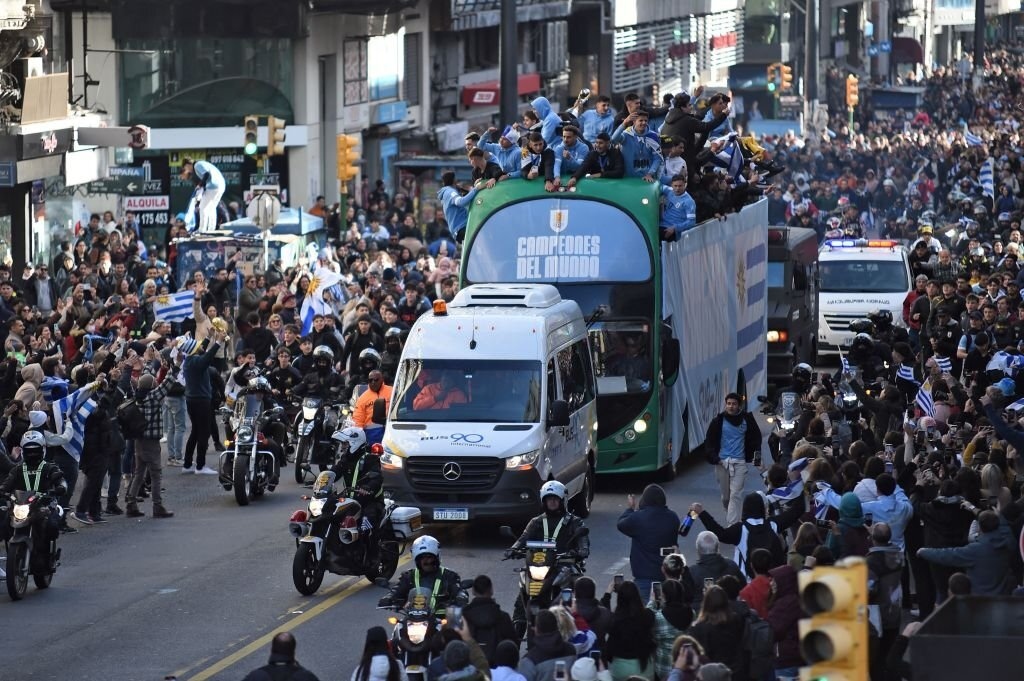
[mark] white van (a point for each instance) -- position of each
(856, 276)
(495, 394)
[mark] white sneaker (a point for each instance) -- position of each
(206, 470)
(187, 469)
(163, 439)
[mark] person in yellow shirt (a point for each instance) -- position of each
(363, 413)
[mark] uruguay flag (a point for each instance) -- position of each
(986, 176)
(314, 304)
(176, 307)
(751, 273)
(924, 398)
(972, 139)
(77, 406)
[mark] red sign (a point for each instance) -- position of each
(719, 42)
(641, 58)
(680, 50)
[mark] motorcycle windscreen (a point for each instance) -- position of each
(420, 602)
(789, 405)
(324, 483)
(249, 406)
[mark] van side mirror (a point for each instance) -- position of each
(380, 412)
(558, 414)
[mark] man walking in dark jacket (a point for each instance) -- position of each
(282, 664)
(733, 440)
(651, 526)
(199, 401)
(489, 625)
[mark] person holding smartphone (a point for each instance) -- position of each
(650, 525)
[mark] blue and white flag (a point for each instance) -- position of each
(176, 307)
(986, 176)
(733, 152)
(945, 364)
(314, 304)
(972, 139)
(752, 271)
(846, 364)
(53, 389)
(77, 406)
(907, 374)
(924, 398)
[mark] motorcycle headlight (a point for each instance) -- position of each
(538, 574)
(416, 631)
(244, 434)
(308, 413)
(522, 461)
(786, 425)
(316, 506)
(20, 511)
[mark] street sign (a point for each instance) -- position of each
(120, 180)
(872, 50)
(147, 203)
(136, 172)
(885, 46)
(264, 210)
(8, 174)
(264, 179)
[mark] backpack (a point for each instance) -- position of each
(761, 536)
(759, 643)
(131, 419)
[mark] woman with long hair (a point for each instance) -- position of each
(378, 663)
(582, 641)
(720, 629)
(670, 622)
(807, 539)
(630, 647)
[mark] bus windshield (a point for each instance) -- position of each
(863, 276)
(622, 357)
(559, 240)
(482, 391)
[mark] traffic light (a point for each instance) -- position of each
(251, 127)
(785, 77)
(834, 641)
(275, 136)
(348, 157)
(852, 91)
(773, 76)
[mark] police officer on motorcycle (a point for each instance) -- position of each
(554, 524)
(444, 584)
(34, 474)
(867, 354)
(885, 331)
(392, 353)
(359, 471)
(369, 360)
(322, 381)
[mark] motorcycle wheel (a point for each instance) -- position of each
(301, 457)
(42, 579)
(390, 552)
(242, 480)
(520, 621)
(17, 571)
(307, 573)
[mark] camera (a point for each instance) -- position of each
(823, 523)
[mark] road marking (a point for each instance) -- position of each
(289, 625)
(617, 566)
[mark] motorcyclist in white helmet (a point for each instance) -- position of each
(358, 470)
(443, 583)
(554, 524)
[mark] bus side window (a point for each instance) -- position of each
(551, 380)
(573, 373)
(582, 364)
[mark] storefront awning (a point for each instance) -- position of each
(907, 51)
(488, 93)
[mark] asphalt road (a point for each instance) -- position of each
(200, 595)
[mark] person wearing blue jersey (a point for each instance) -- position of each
(549, 120)
(641, 148)
(599, 119)
(570, 152)
(538, 160)
(719, 103)
(678, 210)
(505, 152)
(455, 205)
(210, 186)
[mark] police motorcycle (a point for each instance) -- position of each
(784, 414)
(28, 553)
(328, 535)
(543, 576)
(317, 419)
(249, 464)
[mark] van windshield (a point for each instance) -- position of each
(864, 276)
(479, 391)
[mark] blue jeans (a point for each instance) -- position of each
(175, 426)
(783, 673)
(128, 459)
(644, 586)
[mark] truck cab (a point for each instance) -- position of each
(792, 300)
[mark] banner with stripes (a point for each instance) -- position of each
(77, 406)
(924, 398)
(176, 307)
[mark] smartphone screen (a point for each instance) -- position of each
(709, 582)
(656, 591)
(667, 550)
(560, 669)
(619, 579)
(566, 596)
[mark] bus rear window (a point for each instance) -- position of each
(556, 241)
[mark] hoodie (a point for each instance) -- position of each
(652, 526)
(379, 668)
(946, 524)
(489, 624)
(549, 120)
(852, 538)
(539, 663)
(594, 123)
(28, 393)
(784, 615)
(456, 207)
(885, 590)
(987, 561)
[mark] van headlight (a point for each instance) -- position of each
(389, 459)
(522, 461)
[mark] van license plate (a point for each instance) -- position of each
(451, 514)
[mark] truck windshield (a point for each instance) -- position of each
(480, 391)
(864, 276)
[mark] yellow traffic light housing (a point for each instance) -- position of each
(275, 136)
(251, 128)
(773, 76)
(834, 641)
(348, 157)
(852, 91)
(785, 77)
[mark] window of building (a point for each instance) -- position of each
(480, 49)
(386, 65)
(355, 72)
(411, 86)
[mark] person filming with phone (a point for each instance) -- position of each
(652, 526)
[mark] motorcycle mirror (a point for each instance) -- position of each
(382, 582)
(467, 583)
(506, 531)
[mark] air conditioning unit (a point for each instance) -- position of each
(507, 295)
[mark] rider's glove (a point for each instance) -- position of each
(384, 602)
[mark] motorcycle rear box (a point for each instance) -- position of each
(406, 520)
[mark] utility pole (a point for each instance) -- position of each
(979, 42)
(509, 55)
(811, 51)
